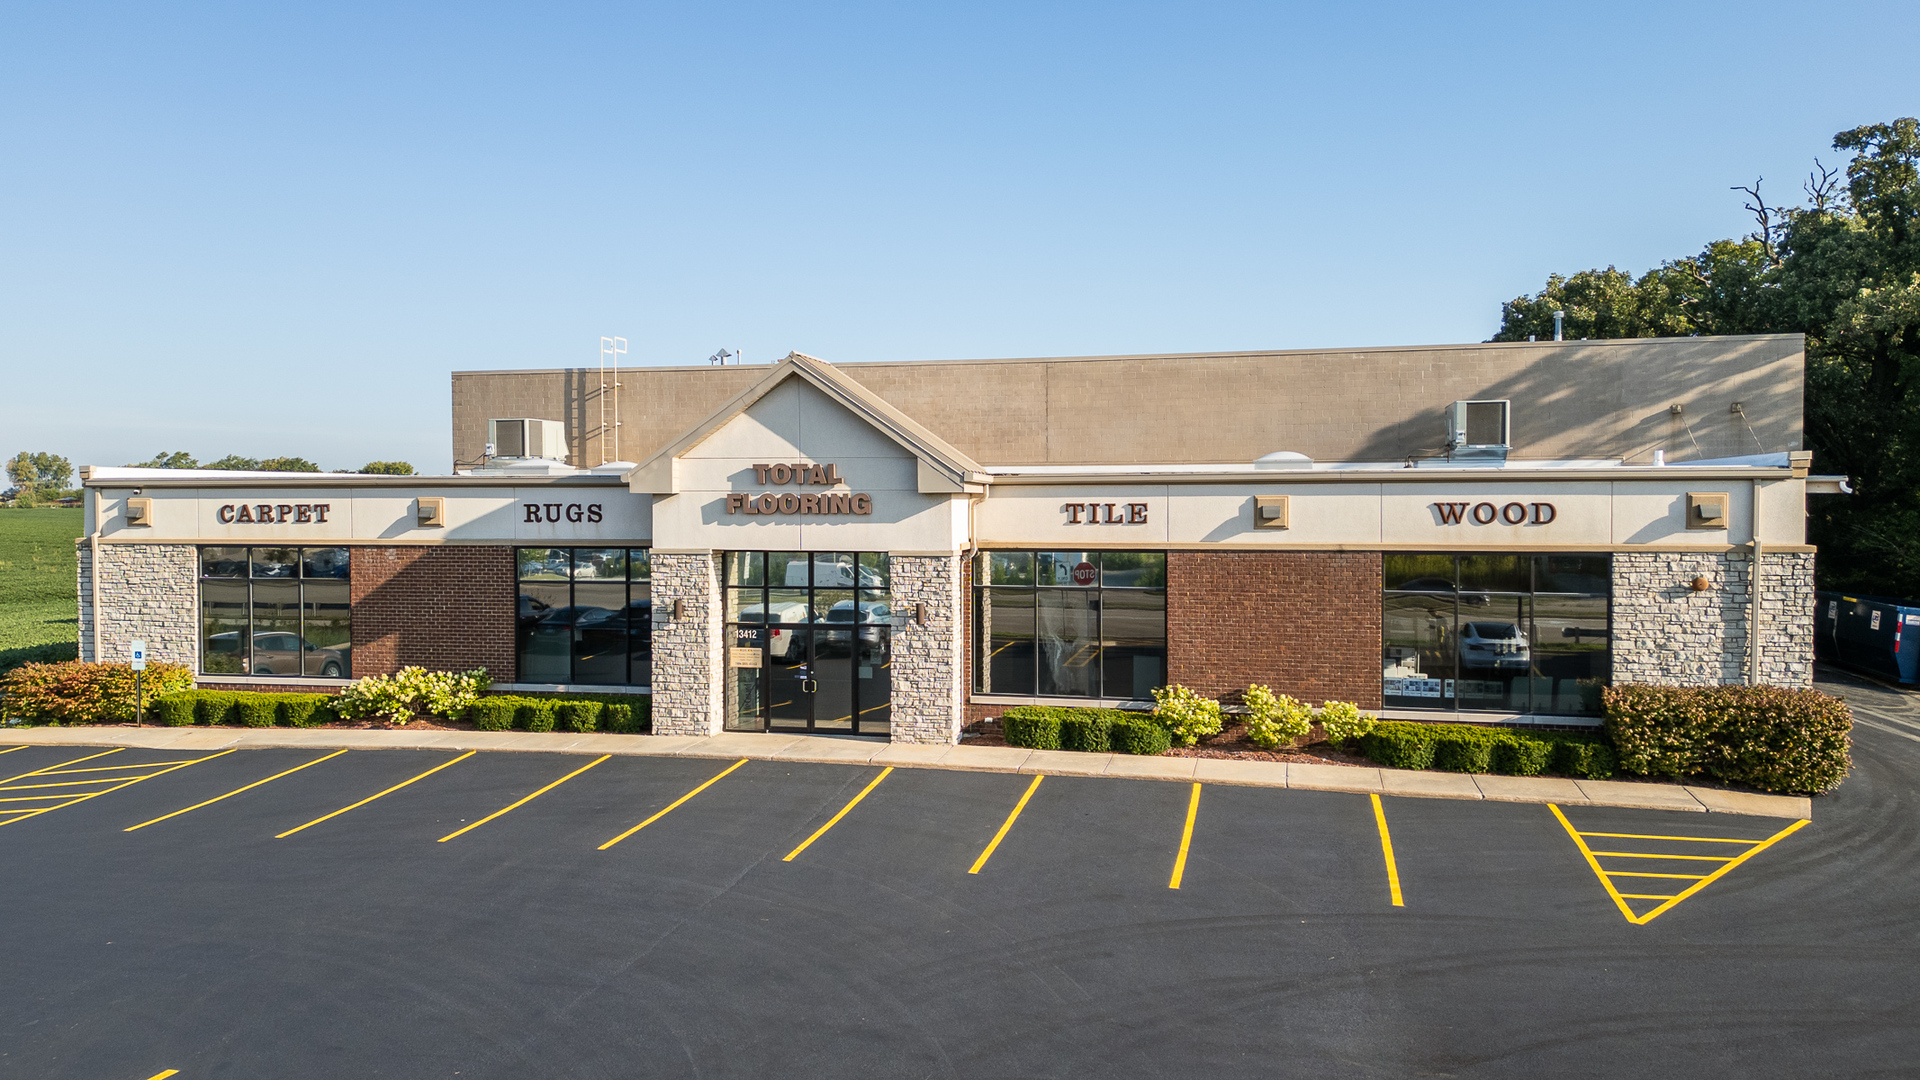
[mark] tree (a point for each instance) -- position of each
(288, 464)
(235, 462)
(387, 468)
(178, 459)
(1843, 269)
(39, 472)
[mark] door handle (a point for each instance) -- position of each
(810, 686)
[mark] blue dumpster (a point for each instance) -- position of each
(1872, 634)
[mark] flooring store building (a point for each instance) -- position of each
(1484, 532)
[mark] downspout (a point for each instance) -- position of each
(93, 576)
(1753, 597)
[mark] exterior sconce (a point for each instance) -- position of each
(679, 609)
(431, 512)
(1271, 512)
(140, 512)
(1700, 584)
(1706, 509)
(920, 614)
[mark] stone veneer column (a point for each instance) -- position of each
(687, 687)
(928, 672)
(1786, 618)
(148, 592)
(1665, 633)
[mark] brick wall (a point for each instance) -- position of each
(447, 608)
(1306, 623)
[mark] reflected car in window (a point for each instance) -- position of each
(779, 641)
(1496, 645)
(1442, 586)
(279, 653)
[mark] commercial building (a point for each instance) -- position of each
(1484, 532)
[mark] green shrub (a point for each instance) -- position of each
(1032, 727)
(1137, 734)
(306, 710)
(580, 715)
(1517, 755)
(258, 710)
(619, 719)
(1273, 720)
(1467, 751)
(534, 716)
(1583, 759)
(638, 705)
(397, 698)
(1087, 730)
(175, 710)
(216, 707)
(494, 713)
(1400, 745)
(1772, 738)
(1186, 714)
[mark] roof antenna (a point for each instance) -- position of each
(610, 347)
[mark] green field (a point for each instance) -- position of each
(39, 609)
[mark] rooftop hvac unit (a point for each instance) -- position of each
(524, 438)
(1479, 430)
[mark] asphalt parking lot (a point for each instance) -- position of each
(756, 929)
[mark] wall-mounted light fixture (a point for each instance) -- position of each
(1700, 584)
(431, 511)
(679, 609)
(920, 614)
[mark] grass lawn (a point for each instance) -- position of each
(39, 610)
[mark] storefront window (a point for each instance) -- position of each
(586, 616)
(1083, 624)
(275, 611)
(1496, 633)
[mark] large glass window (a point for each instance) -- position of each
(1496, 633)
(1083, 624)
(275, 611)
(586, 615)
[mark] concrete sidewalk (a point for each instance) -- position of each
(847, 750)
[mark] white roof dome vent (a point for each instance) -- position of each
(1284, 459)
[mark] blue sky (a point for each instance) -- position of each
(266, 230)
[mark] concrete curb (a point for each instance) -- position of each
(847, 750)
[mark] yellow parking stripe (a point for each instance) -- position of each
(1688, 839)
(370, 798)
(1637, 873)
(234, 792)
(164, 1075)
(113, 768)
(1386, 851)
(525, 801)
(672, 805)
(1006, 825)
(1186, 840)
(124, 782)
(835, 820)
(62, 765)
(11, 749)
(1650, 855)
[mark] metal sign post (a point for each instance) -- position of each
(139, 652)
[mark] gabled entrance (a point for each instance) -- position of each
(810, 641)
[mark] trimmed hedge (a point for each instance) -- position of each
(621, 714)
(1401, 744)
(535, 716)
(493, 713)
(263, 709)
(626, 714)
(580, 715)
(1097, 731)
(1769, 737)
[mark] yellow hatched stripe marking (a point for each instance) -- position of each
(37, 798)
(1688, 839)
(1186, 840)
(124, 783)
(1638, 873)
(62, 765)
(1644, 896)
(370, 798)
(1670, 902)
(11, 749)
(114, 768)
(525, 801)
(1650, 855)
(672, 805)
(69, 783)
(1386, 850)
(835, 819)
(234, 792)
(1006, 825)
(164, 1075)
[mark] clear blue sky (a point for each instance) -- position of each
(270, 229)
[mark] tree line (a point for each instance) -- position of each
(41, 477)
(1842, 266)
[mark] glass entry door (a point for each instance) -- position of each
(811, 642)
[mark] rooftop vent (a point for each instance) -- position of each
(525, 438)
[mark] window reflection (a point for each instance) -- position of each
(585, 616)
(1082, 624)
(276, 611)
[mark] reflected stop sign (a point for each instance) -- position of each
(1083, 573)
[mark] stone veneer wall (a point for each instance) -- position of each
(1666, 633)
(148, 592)
(688, 692)
(928, 661)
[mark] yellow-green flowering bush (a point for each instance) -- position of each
(399, 697)
(1343, 720)
(1273, 720)
(1185, 714)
